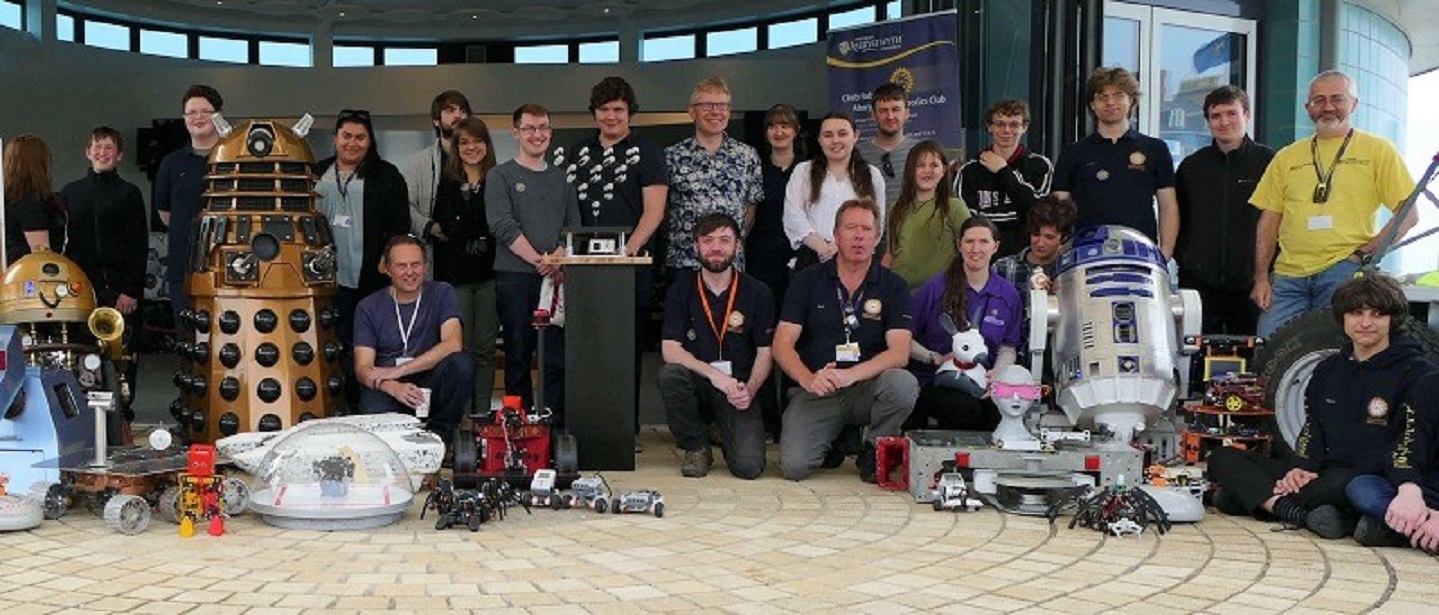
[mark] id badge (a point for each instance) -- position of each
(342, 221)
(725, 367)
(403, 360)
(847, 353)
(1321, 223)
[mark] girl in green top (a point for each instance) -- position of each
(925, 220)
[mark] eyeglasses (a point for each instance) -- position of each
(710, 107)
(200, 113)
(529, 130)
(354, 114)
(885, 165)
(1319, 102)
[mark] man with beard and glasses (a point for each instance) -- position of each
(1318, 199)
(889, 148)
(717, 332)
(427, 166)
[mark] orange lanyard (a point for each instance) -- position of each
(723, 327)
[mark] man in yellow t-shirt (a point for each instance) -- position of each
(1317, 201)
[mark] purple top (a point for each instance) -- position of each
(996, 308)
(377, 327)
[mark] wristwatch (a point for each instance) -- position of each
(1360, 256)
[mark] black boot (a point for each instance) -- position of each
(866, 463)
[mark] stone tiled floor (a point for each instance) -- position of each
(827, 544)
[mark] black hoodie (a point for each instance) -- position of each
(1355, 409)
(1415, 458)
(108, 235)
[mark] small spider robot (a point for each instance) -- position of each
(1116, 510)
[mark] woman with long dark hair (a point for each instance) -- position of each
(925, 220)
(972, 296)
(835, 174)
(34, 218)
(366, 202)
(465, 257)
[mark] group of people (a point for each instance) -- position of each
(836, 267)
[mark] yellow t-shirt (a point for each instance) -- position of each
(1313, 236)
(926, 244)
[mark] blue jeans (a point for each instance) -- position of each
(1295, 296)
(1371, 495)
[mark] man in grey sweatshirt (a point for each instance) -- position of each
(527, 203)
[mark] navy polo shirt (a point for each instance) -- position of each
(749, 328)
(813, 302)
(1113, 182)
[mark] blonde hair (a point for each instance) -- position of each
(709, 84)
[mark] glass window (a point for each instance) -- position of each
(1121, 43)
(893, 10)
(603, 52)
(354, 56)
(410, 56)
(10, 15)
(224, 50)
(172, 44)
(855, 17)
(546, 54)
(659, 49)
(65, 28)
(107, 35)
(727, 42)
(791, 33)
(275, 53)
(1194, 62)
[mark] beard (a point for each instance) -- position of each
(717, 266)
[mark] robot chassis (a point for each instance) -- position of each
(1122, 346)
(592, 492)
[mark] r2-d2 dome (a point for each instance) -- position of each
(331, 477)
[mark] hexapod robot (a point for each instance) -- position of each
(262, 351)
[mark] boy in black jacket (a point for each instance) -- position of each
(1402, 504)
(1354, 404)
(108, 237)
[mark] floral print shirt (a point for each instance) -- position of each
(729, 180)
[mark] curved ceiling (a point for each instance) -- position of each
(444, 19)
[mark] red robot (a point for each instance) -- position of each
(201, 491)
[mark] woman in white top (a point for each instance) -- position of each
(835, 174)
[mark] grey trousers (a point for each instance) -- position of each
(812, 422)
(691, 403)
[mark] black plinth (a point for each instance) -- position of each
(600, 359)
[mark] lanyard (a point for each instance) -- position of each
(848, 318)
(344, 188)
(1321, 191)
(723, 327)
(406, 329)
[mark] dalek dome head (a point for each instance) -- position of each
(263, 141)
(44, 286)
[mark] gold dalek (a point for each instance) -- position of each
(259, 347)
(46, 296)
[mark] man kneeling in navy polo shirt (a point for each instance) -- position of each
(844, 336)
(716, 346)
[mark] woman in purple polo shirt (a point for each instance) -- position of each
(972, 296)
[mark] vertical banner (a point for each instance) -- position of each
(920, 54)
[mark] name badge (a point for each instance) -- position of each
(403, 360)
(847, 353)
(342, 221)
(1321, 223)
(725, 367)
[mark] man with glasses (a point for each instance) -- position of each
(1115, 175)
(1214, 185)
(889, 147)
(1004, 182)
(1318, 200)
(709, 172)
(527, 203)
(423, 172)
(179, 183)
